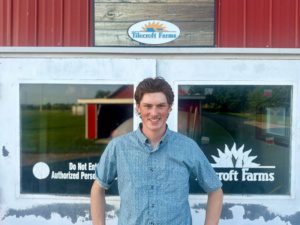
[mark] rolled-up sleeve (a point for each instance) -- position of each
(106, 170)
(204, 172)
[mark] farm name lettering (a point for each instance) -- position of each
(154, 35)
(245, 175)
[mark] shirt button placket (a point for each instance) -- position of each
(151, 199)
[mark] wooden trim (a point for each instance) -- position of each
(106, 101)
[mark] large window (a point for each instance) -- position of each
(64, 129)
(244, 130)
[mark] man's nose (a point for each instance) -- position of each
(154, 111)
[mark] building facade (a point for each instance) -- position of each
(67, 74)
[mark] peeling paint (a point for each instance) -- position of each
(293, 219)
(81, 212)
(70, 211)
(253, 212)
(5, 152)
(226, 210)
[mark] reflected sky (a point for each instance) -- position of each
(34, 94)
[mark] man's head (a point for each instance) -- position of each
(154, 85)
(154, 98)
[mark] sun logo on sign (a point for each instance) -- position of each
(154, 27)
(235, 158)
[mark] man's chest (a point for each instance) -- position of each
(161, 169)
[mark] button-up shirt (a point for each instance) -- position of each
(153, 183)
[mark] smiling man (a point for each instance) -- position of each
(153, 165)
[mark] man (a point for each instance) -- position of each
(153, 165)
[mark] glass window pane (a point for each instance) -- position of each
(244, 130)
(64, 129)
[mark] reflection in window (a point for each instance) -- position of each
(64, 129)
(244, 130)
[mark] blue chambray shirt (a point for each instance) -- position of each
(154, 183)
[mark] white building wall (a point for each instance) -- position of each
(84, 65)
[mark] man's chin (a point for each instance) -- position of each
(156, 124)
(155, 127)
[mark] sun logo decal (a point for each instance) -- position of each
(154, 27)
(235, 158)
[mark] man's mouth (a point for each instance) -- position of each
(156, 119)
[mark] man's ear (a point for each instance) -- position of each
(137, 109)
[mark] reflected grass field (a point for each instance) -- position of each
(55, 131)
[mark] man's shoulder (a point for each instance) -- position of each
(181, 138)
(124, 138)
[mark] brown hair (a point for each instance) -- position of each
(152, 85)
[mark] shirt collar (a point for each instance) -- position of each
(144, 139)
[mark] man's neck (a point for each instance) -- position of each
(154, 137)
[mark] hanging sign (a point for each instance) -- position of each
(154, 32)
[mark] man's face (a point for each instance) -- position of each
(154, 110)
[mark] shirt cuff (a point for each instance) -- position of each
(102, 184)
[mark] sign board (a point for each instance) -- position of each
(115, 21)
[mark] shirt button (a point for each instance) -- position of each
(152, 206)
(152, 187)
(151, 169)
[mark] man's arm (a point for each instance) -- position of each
(98, 204)
(214, 207)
